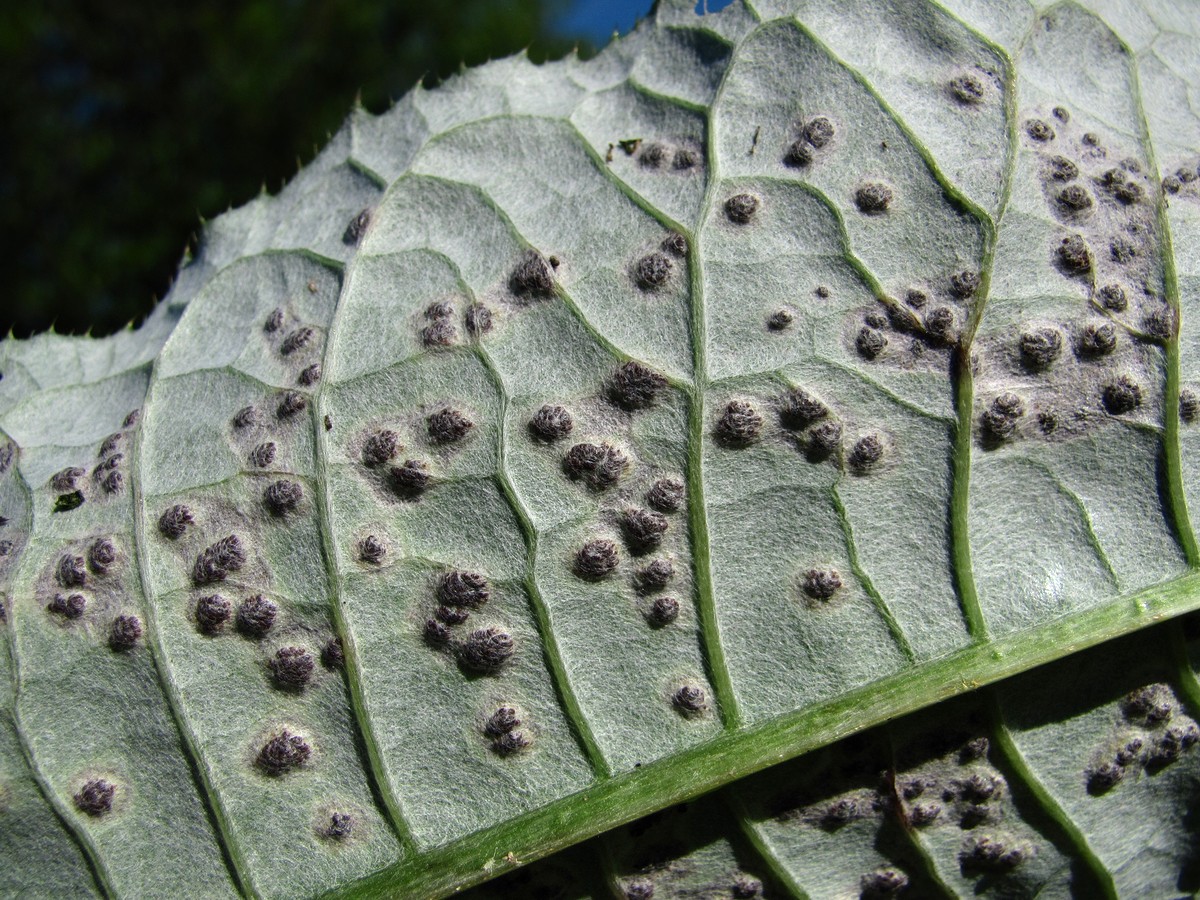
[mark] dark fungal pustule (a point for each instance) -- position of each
(459, 588)
(1074, 199)
(690, 700)
(964, 284)
(818, 131)
(71, 571)
(643, 529)
(866, 454)
(685, 159)
(110, 443)
(1171, 184)
(663, 611)
(112, 482)
(741, 208)
(1189, 406)
(64, 480)
(291, 668)
(95, 798)
(372, 550)
(101, 554)
(410, 480)
(1152, 705)
(666, 495)
(339, 827)
(798, 154)
(531, 278)
(1121, 396)
(448, 426)
(282, 497)
(988, 854)
(596, 559)
(310, 375)
(486, 650)
(511, 742)
(940, 323)
(870, 342)
(297, 340)
(212, 612)
(551, 423)
(873, 198)
(600, 465)
(1040, 347)
(357, 228)
(1104, 776)
(780, 320)
(821, 584)
(283, 753)
(291, 403)
(652, 271)
(639, 889)
(656, 575)
(380, 447)
(333, 655)
(1059, 168)
(478, 319)
(451, 615)
(916, 298)
(798, 409)
(739, 425)
(126, 631)
(882, 884)
(823, 440)
(1159, 324)
(256, 616)
(441, 333)
(69, 607)
(675, 244)
(1117, 183)
(1112, 297)
(218, 560)
(132, 418)
(921, 814)
(974, 749)
(439, 310)
(1074, 256)
(966, 89)
(274, 321)
(999, 421)
(653, 155)
(435, 633)
(1061, 114)
(1097, 339)
(263, 455)
(502, 721)
(1039, 130)
(635, 386)
(245, 417)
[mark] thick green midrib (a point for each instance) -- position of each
(732, 755)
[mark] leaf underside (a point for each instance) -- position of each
(570, 441)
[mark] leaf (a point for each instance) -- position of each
(883, 345)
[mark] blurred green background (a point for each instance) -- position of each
(127, 121)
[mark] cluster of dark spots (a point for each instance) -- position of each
(486, 650)
(1104, 776)
(866, 454)
(884, 883)
(818, 131)
(175, 521)
(245, 417)
(291, 403)
(112, 482)
(436, 633)
(652, 271)
(478, 319)
(842, 812)
(96, 797)
(6, 547)
(282, 497)
(656, 575)
(745, 888)
(357, 228)
(125, 633)
(132, 418)
(1097, 339)
(940, 324)
(1120, 186)
(916, 298)
(690, 700)
(551, 423)
(639, 889)
(966, 89)
(109, 444)
(1153, 705)
(1173, 743)
(653, 156)
(921, 814)
(663, 611)
(1112, 297)
(739, 425)
(666, 495)
(964, 284)
(459, 588)
(531, 278)
(410, 480)
(71, 571)
(643, 529)
(291, 668)
(380, 447)
(297, 340)
(1060, 113)
(870, 342)
(974, 749)
(1059, 168)
(274, 321)
(675, 244)
(441, 333)
(873, 198)
(333, 655)
(1159, 324)
(439, 310)
(1122, 250)
(283, 753)
(1189, 406)
(64, 480)
(823, 440)
(372, 550)
(741, 208)
(635, 386)
(339, 827)
(1121, 396)
(310, 375)
(1039, 130)
(999, 420)
(212, 612)
(448, 426)
(821, 291)
(501, 727)
(977, 788)
(69, 607)
(596, 559)
(68, 502)
(780, 320)
(821, 584)
(263, 455)
(1074, 256)
(984, 854)
(1040, 347)
(798, 409)
(1074, 199)
(256, 616)
(451, 615)
(600, 465)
